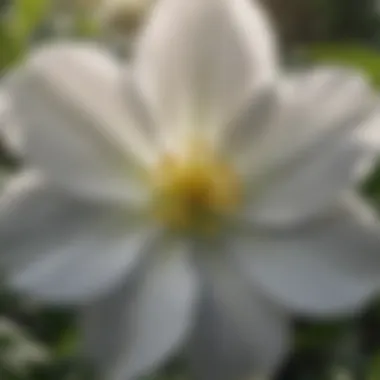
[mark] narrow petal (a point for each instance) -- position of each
(9, 130)
(238, 332)
(244, 132)
(60, 250)
(198, 60)
(326, 268)
(77, 125)
(132, 332)
(139, 110)
(317, 148)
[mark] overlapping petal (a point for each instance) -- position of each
(324, 268)
(60, 250)
(238, 332)
(315, 148)
(78, 129)
(10, 132)
(197, 61)
(147, 320)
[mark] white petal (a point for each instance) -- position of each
(238, 331)
(314, 152)
(244, 132)
(198, 60)
(132, 332)
(4, 101)
(84, 270)
(78, 130)
(313, 103)
(139, 110)
(60, 250)
(25, 202)
(104, 325)
(9, 129)
(309, 187)
(325, 268)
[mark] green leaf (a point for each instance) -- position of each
(17, 29)
(10, 49)
(374, 368)
(27, 16)
(85, 26)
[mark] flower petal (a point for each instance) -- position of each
(134, 330)
(317, 149)
(244, 132)
(326, 268)
(198, 60)
(78, 130)
(238, 332)
(60, 250)
(9, 130)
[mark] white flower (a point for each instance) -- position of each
(196, 199)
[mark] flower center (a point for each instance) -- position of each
(194, 192)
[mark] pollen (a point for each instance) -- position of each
(194, 191)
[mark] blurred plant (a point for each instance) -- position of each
(19, 21)
(123, 16)
(73, 18)
(120, 20)
(361, 57)
(350, 19)
(301, 22)
(19, 352)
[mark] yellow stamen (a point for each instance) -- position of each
(193, 191)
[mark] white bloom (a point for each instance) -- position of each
(194, 198)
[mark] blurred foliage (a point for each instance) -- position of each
(19, 20)
(344, 32)
(305, 21)
(349, 19)
(23, 22)
(360, 57)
